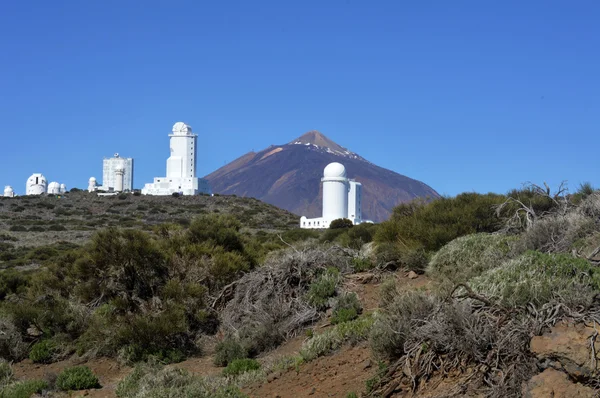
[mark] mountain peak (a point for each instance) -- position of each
(319, 139)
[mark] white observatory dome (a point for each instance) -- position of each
(9, 192)
(181, 128)
(63, 188)
(36, 184)
(92, 180)
(54, 188)
(334, 170)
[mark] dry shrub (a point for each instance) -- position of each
(422, 334)
(557, 232)
(469, 256)
(12, 346)
(590, 207)
(539, 278)
(273, 298)
(152, 381)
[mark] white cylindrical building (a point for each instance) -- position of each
(36, 185)
(335, 192)
(9, 192)
(119, 175)
(63, 188)
(92, 184)
(54, 188)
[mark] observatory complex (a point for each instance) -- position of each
(341, 199)
(181, 166)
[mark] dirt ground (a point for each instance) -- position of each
(328, 376)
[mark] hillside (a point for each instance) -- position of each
(34, 221)
(288, 176)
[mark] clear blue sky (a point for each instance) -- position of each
(463, 95)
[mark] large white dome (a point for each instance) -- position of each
(180, 128)
(334, 170)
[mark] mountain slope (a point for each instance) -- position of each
(289, 176)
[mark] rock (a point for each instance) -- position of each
(569, 344)
(554, 383)
(34, 331)
(412, 275)
(272, 377)
(366, 364)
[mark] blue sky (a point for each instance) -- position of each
(462, 95)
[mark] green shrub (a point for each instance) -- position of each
(23, 389)
(17, 228)
(323, 288)
(332, 339)
(12, 282)
(239, 366)
(37, 228)
(56, 227)
(431, 225)
(122, 196)
(341, 223)
(346, 308)
(77, 378)
(469, 256)
(42, 352)
(361, 264)
(6, 373)
(539, 278)
(228, 350)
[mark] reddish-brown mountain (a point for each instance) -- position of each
(289, 176)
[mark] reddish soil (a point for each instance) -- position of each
(329, 376)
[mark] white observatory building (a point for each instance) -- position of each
(9, 192)
(54, 188)
(92, 184)
(117, 174)
(341, 198)
(36, 185)
(181, 166)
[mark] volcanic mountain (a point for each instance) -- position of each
(289, 176)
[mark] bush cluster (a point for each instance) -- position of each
(77, 378)
(239, 366)
(347, 308)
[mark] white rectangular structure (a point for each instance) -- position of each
(354, 202)
(109, 173)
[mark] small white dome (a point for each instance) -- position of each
(334, 170)
(181, 128)
(92, 179)
(9, 191)
(54, 188)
